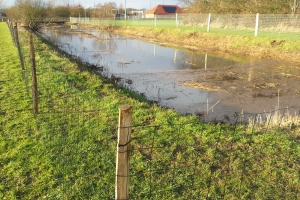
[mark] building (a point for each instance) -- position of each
(163, 10)
(2, 15)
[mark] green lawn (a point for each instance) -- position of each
(171, 24)
(68, 150)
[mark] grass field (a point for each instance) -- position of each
(223, 31)
(68, 150)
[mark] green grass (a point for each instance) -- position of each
(286, 41)
(171, 24)
(68, 150)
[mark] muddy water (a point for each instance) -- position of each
(187, 81)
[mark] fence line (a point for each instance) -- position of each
(174, 160)
(70, 126)
(251, 24)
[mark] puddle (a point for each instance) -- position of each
(188, 82)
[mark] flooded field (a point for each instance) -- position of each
(210, 86)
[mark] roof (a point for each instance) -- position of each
(165, 9)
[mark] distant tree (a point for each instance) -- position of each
(107, 9)
(241, 6)
(61, 11)
(294, 6)
(30, 12)
(1, 4)
(76, 11)
(13, 13)
(49, 8)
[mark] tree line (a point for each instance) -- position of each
(32, 12)
(242, 6)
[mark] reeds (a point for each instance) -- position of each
(280, 118)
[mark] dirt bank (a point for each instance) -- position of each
(242, 46)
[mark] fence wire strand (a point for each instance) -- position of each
(167, 161)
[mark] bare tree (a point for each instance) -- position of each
(106, 9)
(294, 6)
(241, 6)
(32, 12)
(2, 4)
(77, 11)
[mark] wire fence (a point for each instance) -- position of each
(228, 163)
(265, 25)
(74, 155)
(66, 139)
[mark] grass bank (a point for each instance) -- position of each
(222, 42)
(67, 151)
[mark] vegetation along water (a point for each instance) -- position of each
(67, 150)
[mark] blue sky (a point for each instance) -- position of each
(138, 4)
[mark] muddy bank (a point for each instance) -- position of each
(215, 44)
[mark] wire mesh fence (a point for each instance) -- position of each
(194, 161)
(71, 147)
(266, 25)
(63, 153)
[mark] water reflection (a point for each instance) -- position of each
(157, 71)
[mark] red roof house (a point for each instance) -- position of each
(163, 10)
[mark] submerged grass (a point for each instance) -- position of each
(67, 151)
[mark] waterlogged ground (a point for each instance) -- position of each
(187, 81)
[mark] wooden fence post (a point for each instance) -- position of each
(18, 46)
(12, 32)
(34, 79)
(123, 152)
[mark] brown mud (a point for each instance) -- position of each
(254, 89)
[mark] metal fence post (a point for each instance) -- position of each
(177, 23)
(123, 152)
(256, 24)
(34, 79)
(208, 22)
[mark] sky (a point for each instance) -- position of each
(137, 4)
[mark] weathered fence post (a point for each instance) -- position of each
(256, 24)
(18, 46)
(123, 152)
(34, 79)
(12, 33)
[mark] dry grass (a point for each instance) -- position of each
(277, 119)
(203, 86)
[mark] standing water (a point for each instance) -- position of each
(187, 81)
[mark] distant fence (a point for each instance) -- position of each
(253, 23)
(55, 19)
(170, 160)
